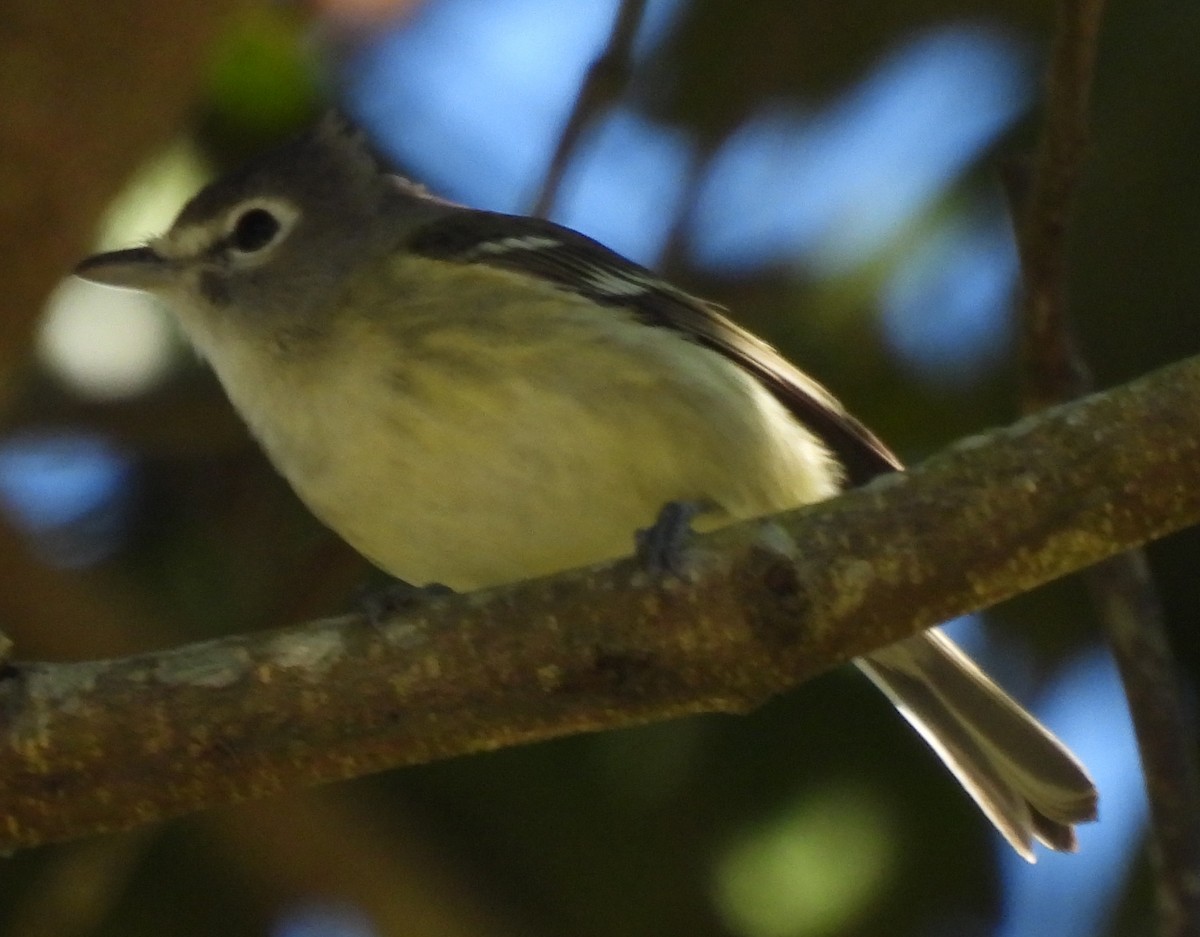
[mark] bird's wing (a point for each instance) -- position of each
(574, 262)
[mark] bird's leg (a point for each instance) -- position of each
(662, 548)
(398, 596)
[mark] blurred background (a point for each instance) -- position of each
(829, 171)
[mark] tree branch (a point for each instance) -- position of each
(106, 745)
(1122, 588)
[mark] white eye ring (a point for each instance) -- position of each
(254, 227)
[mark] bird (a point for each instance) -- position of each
(472, 398)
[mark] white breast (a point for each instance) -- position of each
(471, 455)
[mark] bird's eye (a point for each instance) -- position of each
(254, 230)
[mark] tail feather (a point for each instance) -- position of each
(1022, 777)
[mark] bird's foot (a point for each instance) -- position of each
(398, 596)
(663, 547)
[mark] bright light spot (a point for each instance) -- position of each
(831, 188)
(149, 203)
(105, 343)
(324, 920)
(625, 186)
(811, 871)
(471, 95)
(947, 310)
(67, 491)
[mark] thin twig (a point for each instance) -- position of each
(1131, 612)
(1122, 589)
(606, 79)
(1053, 369)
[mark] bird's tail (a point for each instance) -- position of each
(1023, 778)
